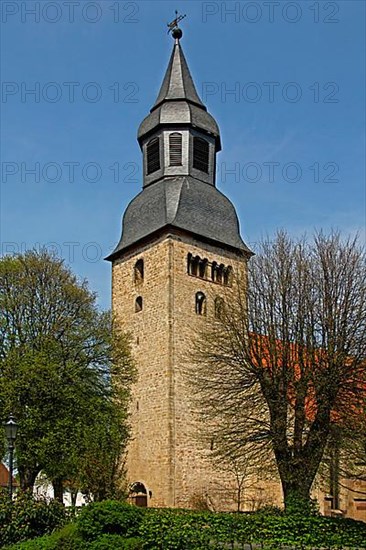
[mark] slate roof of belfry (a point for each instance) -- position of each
(185, 203)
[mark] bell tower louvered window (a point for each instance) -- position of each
(175, 149)
(200, 154)
(153, 155)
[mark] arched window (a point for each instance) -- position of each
(138, 304)
(202, 268)
(195, 265)
(228, 273)
(219, 307)
(175, 149)
(153, 155)
(189, 264)
(214, 271)
(139, 271)
(201, 149)
(200, 303)
(220, 274)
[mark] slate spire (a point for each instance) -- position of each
(178, 102)
(178, 83)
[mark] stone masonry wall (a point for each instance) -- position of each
(166, 454)
(150, 455)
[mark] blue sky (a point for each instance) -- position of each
(284, 80)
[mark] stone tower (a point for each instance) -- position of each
(179, 248)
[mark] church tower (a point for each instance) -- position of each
(179, 249)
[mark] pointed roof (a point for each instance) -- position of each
(178, 83)
(178, 102)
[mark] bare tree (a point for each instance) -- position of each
(286, 359)
(242, 473)
(344, 461)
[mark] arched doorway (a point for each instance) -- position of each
(138, 494)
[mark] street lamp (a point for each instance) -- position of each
(11, 428)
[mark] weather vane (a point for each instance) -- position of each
(173, 26)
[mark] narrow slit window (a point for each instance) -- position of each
(138, 304)
(202, 268)
(153, 155)
(195, 265)
(189, 264)
(201, 149)
(200, 303)
(175, 149)
(214, 271)
(228, 276)
(220, 274)
(139, 271)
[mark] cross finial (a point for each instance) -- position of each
(173, 26)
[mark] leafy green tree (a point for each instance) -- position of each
(286, 360)
(58, 358)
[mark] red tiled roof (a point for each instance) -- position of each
(269, 353)
(4, 476)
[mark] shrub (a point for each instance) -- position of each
(270, 511)
(35, 544)
(296, 504)
(28, 517)
(133, 544)
(178, 530)
(66, 539)
(109, 517)
(115, 542)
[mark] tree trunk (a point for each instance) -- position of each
(296, 495)
(296, 480)
(58, 490)
(74, 496)
(297, 474)
(334, 474)
(100, 495)
(239, 499)
(299, 463)
(27, 478)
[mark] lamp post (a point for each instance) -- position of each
(11, 433)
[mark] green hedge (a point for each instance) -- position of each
(168, 530)
(114, 525)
